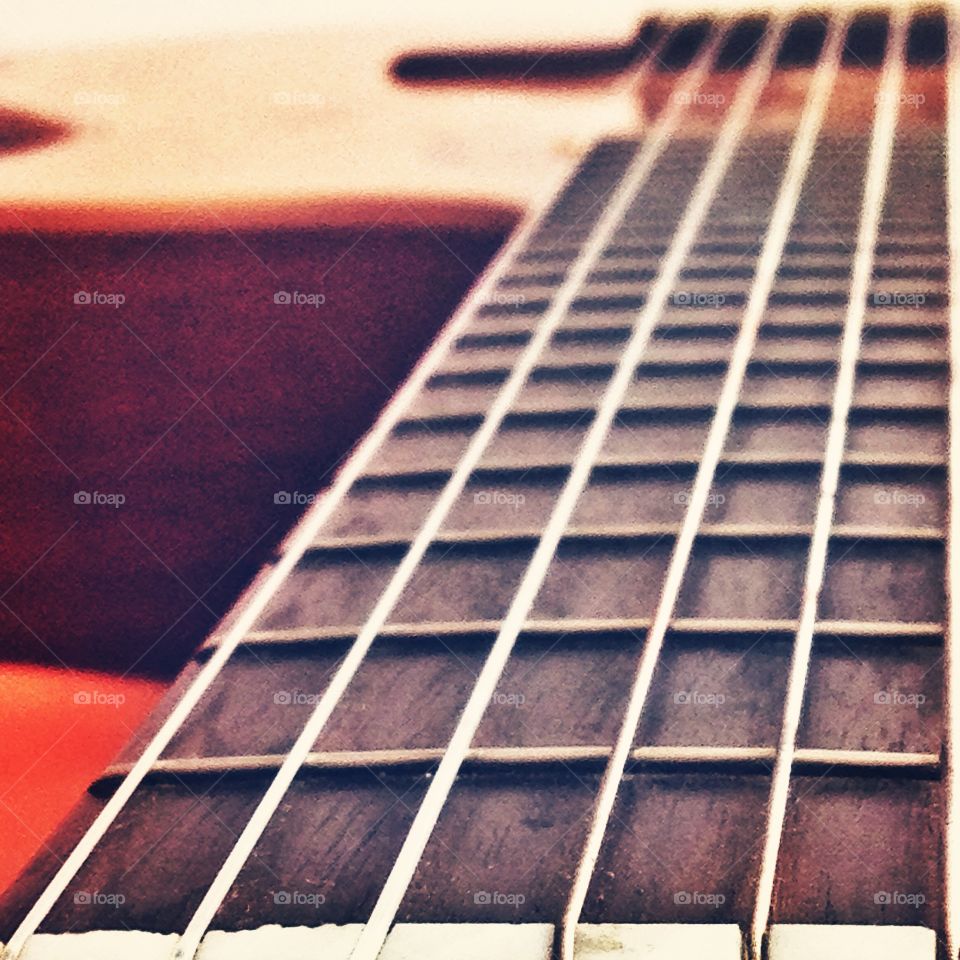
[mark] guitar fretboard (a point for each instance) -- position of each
(627, 624)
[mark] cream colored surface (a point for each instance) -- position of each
(100, 945)
(408, 941)
(227, 121)
(473, 941)
(813, 942)
(332, 942)
(658, 941)
(493, 941)
(308, 125)
(302, 122)
(47, 24)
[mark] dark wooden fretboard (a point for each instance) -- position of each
(631, 610)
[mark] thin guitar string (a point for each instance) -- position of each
(778, 230)
(374, 932)
(306, 518)
(591, 251)
(874, 191)
(254, 599)
(951, 869)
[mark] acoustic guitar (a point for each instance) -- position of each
(627, 629)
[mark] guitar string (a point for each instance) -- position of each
(640, 168)
(252, 602)
(811, 121)
(374, 932)
(297, 538)
(874, 192)
(951, 871)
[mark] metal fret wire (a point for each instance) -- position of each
(599, 368)
(608, 532)
(591, 250)
(812, 758)
(579, 410)
(437, 629)
(254, 599)
(515, 467)
(378, 925)
(951, 867)
(266, 586)
(777, 233)
(874, 191)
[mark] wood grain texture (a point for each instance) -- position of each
(683, 843)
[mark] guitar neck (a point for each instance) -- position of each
(626, 625)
